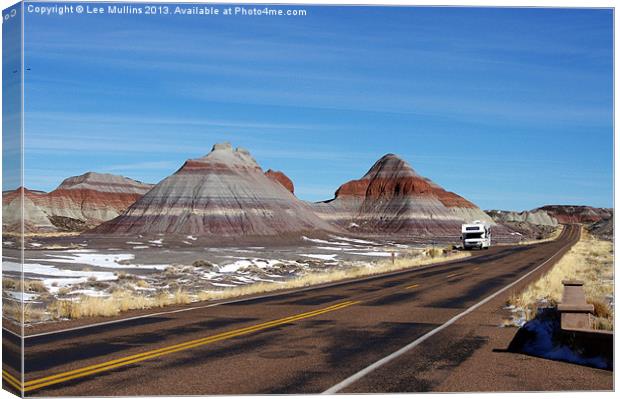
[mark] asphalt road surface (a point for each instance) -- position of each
(338, 338)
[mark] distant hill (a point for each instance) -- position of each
(78, 203)
(577, 213)
(224, 193)
(393, 198)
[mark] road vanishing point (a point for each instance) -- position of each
(432, 328)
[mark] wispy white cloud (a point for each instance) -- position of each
(463, 108)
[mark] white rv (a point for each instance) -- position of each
(476, 235)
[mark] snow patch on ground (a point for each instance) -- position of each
(355, 240)
(111, 261)
(87, 292)
(53, 278)
(517, 317)
(321, 256)
(47, 270)
(336, 248)
(543, 344)
(243, 263)
(319, 241)
(223, 285)
(22, 296)
(373, 253)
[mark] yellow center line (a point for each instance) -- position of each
(12, 381)
(411, 286)
(9, 376)
(98, 368)
(452, 275)
(183, 344)
(14, 385)
(200, 341)
(477, 267)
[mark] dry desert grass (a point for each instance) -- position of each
(590, 260)
(120, 301)
(14, 310)
(11, 284)
(124, 300)
(29, 234)
(427, 257)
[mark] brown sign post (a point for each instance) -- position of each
(575, 312)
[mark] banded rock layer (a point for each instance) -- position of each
(537, 217)
(224, 193)
(34, 217)
(577, 213)
(393, 198)
(79, 202)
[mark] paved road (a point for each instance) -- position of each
(305, 341)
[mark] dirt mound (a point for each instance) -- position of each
(224, 193)
(537, 217)
(85, 200)
(577, 213)
(63, 223)
(393, 197)
(603, 229)
(16, 207)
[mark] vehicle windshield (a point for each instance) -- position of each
(472, 235)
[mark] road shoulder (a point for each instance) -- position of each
(492, 368)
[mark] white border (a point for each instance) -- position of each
(475, 3)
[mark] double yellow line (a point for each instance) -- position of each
(12, 381)
(112, 364)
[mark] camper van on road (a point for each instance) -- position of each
(476, 235)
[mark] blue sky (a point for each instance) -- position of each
(11, 99)
(511, 108)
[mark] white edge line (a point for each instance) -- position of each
(396, 272)
(277, 293)
(367, 370)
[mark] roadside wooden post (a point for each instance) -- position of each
(393, 258)
(577, 324)
(575, 311)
